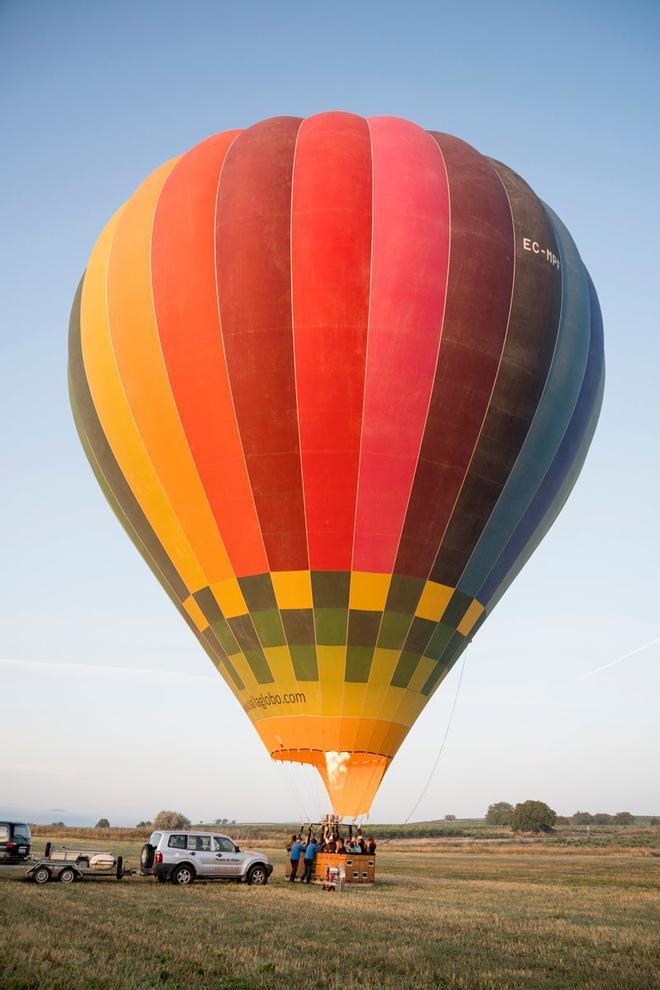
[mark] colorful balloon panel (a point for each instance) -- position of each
(337, 378)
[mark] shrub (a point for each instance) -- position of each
(171, 819)
(583, 818)
(499, 813)
(623, 818)
(102, 823)
(533, 816)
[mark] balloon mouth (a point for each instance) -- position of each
(351, 779)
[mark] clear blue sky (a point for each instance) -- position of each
(92, 97)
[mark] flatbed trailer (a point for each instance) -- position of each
(69, 865)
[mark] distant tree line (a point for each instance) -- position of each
(527, 816)
(176, 819)
(536, 816)
(601, 818)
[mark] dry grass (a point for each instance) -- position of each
(483, 921)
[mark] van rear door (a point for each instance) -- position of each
(22, 837)
(4, 838)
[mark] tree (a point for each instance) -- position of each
(623, 818)
(102, 823)
(171, 819)
(654, 820)
(583, 818)
(499, 813)
(600, 818)
(450, 818)
(533, 816)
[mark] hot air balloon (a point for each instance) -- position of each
(336, 377)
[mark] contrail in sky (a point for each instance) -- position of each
(150, 671)
(612, 663)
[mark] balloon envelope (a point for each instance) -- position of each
(337, 378)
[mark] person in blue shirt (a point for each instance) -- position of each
(310, 855)
(295, 851)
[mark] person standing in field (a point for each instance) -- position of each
(310, 855)
(295, 850)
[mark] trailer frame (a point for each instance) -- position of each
(68, 865)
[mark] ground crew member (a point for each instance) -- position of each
(310, 856)
(295, 849)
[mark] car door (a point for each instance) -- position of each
(228, 861)
(202, 855)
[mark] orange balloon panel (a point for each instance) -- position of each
(336, 377)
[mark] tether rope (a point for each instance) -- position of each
(437, 759)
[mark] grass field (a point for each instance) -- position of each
(452, 919)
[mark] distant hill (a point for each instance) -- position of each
(45, 816)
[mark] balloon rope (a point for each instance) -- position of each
(437, 759)
(290, 772)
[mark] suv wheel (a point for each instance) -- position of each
(41, 874)
(257, 875)
(183, 876)
(67, 875)
(147, 856)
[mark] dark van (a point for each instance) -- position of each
(15, 841)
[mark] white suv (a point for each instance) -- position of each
(182, 856)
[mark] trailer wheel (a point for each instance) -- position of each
(41, 874)
(147, 856)
(67, 875)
